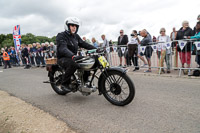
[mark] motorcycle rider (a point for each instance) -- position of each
(67, 47)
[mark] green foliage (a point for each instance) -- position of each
(29, 38)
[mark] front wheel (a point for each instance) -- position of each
(118, 88)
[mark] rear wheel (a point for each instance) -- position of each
(118, 88)
(56, 80)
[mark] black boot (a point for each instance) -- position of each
(65, 87)
(136, 68)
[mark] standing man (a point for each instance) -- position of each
(148, 51)
(197, 36)
(52, 49)
(6, 59)
(198, 19)
(25, 56)
(1, 61)
(174, 46)
(105, 41)
(105, 45)
(84, 38)
(122, 40)
(173, 34)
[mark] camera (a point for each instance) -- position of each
(135, 34)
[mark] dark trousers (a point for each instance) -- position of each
(133, 51)
(16, 60)
(198, 59)
(69, 66)
(32, 61)
(1, 61)
(11, 60)
(42, 60)
(37, 58)
(7, 62)
(26, 61)
(23, 61)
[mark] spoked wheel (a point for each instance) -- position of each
(118, 88)
(56, 80)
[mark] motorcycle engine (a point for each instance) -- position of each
(84, 84)
(87, 89)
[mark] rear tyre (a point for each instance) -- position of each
(56, 80)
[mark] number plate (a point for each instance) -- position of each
(103, 61)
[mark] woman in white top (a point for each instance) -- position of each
(163, 52)
(133, 49)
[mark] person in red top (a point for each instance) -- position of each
(6, 59)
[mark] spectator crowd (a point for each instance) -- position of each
(29, 55)
(36, 53)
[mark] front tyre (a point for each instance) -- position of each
(118, 88)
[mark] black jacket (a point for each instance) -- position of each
(194, 31)
(24, 52)
(67, 44)
(124, 40)
(181, 34)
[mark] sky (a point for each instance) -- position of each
(46, 17)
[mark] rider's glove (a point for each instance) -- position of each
(75, 58)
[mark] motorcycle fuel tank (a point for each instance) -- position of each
(87, 64)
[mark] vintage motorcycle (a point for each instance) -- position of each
(112, 82)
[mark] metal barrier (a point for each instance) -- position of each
(174, 57)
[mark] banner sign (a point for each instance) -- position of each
(108, 49)
(114, 49)
(182, 44)
(17, 38)
(123, 49)
(142, 48)
(168, 45)
(197, 45)
(154, 47)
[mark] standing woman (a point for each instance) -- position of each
(163, 52)
(38, 55)
(185, 54)
(42, 53)
(25, 56)
(31, 54)
(94, 42)
(133, 49)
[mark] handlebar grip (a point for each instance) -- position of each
(91, 51)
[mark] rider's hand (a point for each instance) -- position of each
(75, 58)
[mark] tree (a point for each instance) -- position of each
(8, 43)
(2, 38)
(29, 38)
(53, 39)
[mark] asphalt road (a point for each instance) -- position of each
(161, 104)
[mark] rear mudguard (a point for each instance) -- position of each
(52, 68)
(104, 73)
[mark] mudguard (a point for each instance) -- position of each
(104, 73)
(52, 68)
